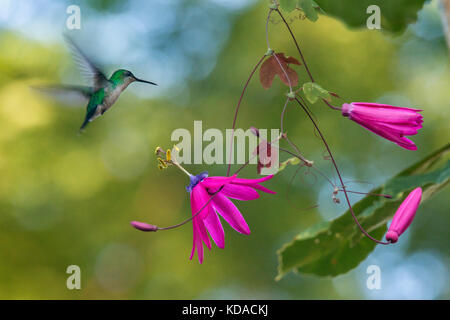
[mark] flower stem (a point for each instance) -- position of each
(302, 57)
(296, 44)
(339, 175)
(274, 54)
(237, 110)
(330, 105)
(387, 196)
(284, 136)
(194, 215)
(267, 29)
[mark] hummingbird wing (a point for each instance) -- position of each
(86, 66)
(67, 93)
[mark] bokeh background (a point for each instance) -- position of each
(68, 199)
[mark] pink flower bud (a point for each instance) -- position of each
(255, 131)
(389, 122)
(404, 215)
(143, 226)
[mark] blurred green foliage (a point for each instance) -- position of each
(337, 246)
(395, 15)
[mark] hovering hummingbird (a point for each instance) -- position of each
(102, 93)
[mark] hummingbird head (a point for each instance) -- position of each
(125, 76)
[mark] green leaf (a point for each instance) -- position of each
(334, 247)
(317, 7)
(293, 161)
(313, 92)
(308, 7)
(395, 15)
(288, 5)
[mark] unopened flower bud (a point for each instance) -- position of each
(143, 226)
(404, 215)
(255, 131)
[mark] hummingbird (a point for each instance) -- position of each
(102, 92)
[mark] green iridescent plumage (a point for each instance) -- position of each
(95, 100)
(102, 93)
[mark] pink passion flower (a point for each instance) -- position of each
(389, 122)
(207, 221)
(404, 215)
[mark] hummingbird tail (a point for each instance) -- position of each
(85, 123)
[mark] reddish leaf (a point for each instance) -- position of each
(265, 155)
(334, 94)
(288, 60)
(273, 66)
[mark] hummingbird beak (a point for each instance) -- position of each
(144, 81)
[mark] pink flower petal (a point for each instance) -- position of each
(202, 232)
(199, 197)
(389, 122)
(254, 183)
(215, 228)
(387, 115)
(262, 188)
(239, 192)
(207, 220)
(380, 105)
(407, 144)
(197, 244)
(230, 213)
(193, 244)
(385, 133)
(401, 129)
(216, 182)
(251, 181)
